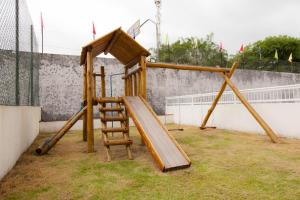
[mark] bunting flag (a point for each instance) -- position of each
(290, 58)
(94, 31)
(166, 39)
(242, 49)
(195, 43)
(221, 47)
(276, 55)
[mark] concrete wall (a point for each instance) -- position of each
(18, 128)
(61, 83)
(283, 118)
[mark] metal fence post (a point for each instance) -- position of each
(17, 54)
(31, 66)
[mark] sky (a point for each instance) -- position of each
(68, 23)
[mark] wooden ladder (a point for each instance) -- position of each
(114, 113)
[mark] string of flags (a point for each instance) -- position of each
(290, 59)
(221, 47)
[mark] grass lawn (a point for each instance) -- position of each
(225, 165)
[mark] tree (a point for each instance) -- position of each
(260, 55)
(194, 51)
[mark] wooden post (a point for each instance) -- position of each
(257, 117)
(135, 84)
(130, 85)
(143, 77)
(125, 82)
(94, 86)
(103, 93)
(90, 121)
(84, 120)
(218, 97)
(140, 82)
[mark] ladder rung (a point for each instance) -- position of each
(109, 109)
(109, 100)
(118, 129)
(113, 118)
(117, 142)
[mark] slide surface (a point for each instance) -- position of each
(163, 147)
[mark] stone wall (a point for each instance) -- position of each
(61, 83)
(8, 78)
(61, 88)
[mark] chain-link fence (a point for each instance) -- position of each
(19, 57)
(271, 65)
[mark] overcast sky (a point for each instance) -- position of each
(68, 23)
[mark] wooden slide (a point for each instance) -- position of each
(162, 146)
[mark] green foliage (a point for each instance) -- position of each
(194, 51)
(261, 54)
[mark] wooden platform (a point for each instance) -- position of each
(163, 147)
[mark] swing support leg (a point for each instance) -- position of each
(257, 117)
(218, 97)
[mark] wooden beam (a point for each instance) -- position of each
(112, 41)
(134, 61)
(186, 67)
(139, 82)
(256, 116)
(125, 82)
(103, 92)
(130, 85)
(84, 97)
(132, 72)
(90, 121)
(135, 83)
(218, 97)
(143, 80)
(94, 86)
(49, 143)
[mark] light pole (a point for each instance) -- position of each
(157, 26)
(158, 35)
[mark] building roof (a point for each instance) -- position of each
(117, 43)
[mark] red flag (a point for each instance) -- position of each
(94, 30)
(242, 49)
(221, 47)
(42, 22)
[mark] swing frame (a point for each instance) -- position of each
(226, 74)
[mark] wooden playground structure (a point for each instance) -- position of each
(163, 147)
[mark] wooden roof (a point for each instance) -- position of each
(117, 43)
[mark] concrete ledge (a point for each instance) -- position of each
(54, 126)
(19, 126)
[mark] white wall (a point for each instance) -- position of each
(19, 126)
(283, 118)
(49, 127)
